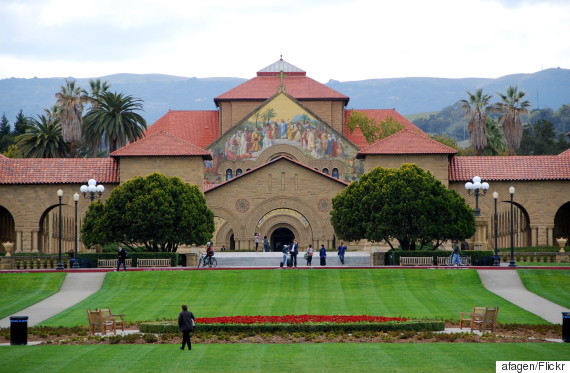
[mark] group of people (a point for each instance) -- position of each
(293, 250)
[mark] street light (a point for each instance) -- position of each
(476, 188)
(76, 261)
(512, 263)
(59, 263)
(92, 190)
(496, 262)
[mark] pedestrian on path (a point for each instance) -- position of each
(122, 257)
(257, 237)
(323, 255)
(285, 252)
(341, 251)
(294, 250)
(265, 244)
(186, 326)
(456, 254)
(309, 255)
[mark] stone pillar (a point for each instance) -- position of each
(18, 248)
(35, 235)
(480, 237)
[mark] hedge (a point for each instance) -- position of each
(161, 327)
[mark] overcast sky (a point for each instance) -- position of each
(343, 40)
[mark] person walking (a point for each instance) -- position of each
(186, 326)
(341, 251)
(265, 244)
(122, 256)
(257, 237)
(294, 250)
(456, 260)
(309, 255)
(323, 255)
(285, 252)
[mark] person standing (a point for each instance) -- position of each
(310, 252)
(256, 237)
(186, 326)
(122, 256)
(265, 244)
(341, 251)
(285, 252)
(294, 250)
(456, 254)
(323, 255)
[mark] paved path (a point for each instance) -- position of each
(75, 288)
(508, 285)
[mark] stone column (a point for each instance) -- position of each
(35, 235)
(480, 238)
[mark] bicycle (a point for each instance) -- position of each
(213, 262)
(463, 259)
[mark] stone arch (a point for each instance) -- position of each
(7, 226)
(48, 229)
(302, 233)
(224, 236)
(562, 222)
(521, 225)
(279, 150)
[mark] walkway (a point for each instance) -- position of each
(75, 288)
(508, 285)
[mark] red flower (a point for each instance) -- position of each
(296, 319)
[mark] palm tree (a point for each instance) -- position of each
(496, 144)
(114, 118)
(42, 139)
(98, 87)
(70, 101)
(477, 127)
(511, 108)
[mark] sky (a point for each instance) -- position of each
(344, 40)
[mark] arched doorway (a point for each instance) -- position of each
(7, 230)
(280, 237)
(562, 222)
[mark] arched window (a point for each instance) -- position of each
(335, 173)
(249, 169)
(229, 174)
(238, 172)
(325, 171)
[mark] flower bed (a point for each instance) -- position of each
(296, 323)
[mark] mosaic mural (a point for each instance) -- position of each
(281, 121)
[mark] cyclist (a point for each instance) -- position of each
(209, 254)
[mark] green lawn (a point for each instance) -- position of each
(551, 284)
(21, 290)
(329, 357)
(432, 294)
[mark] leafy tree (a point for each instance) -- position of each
(21, 123)
(446, 140)
(114, 116)
(268, 114)
(157, 212)
(540, 139)
(372, 130)
(476, 106)
(70, 101)
(511, 107)
(42, 139)
(4, 126)
(12, 152)
(406, 204)
(92, 230)
(496, 144)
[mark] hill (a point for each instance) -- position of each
(547, 88)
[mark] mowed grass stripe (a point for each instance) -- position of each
(439, 294)
(21, 290)
(551, 284)
(327, 357)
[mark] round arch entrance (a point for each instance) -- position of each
(562, 222)
(279, 237)
(7, 230)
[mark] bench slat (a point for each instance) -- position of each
(416, 260)
(112, 263)
(153, 262)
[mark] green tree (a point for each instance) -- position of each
(371, 129)
(4, 126)
(406, 204)
(476, 106)
(268, 114)
(114, 117)
(70, 101)
(540, 139)
(511, 107)
(42, 139)
(446, 140)
(496, 144)
(92, 230)
(21, 123)
(157, 212)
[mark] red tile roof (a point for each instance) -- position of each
(58, 170)
(515, 168)
(565, 153)
(262, 87)
(198, 127)
(160, 144)
(406, 142)
(208, 187)
(378, 115)
(3, 156)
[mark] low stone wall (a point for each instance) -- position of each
(536, 257)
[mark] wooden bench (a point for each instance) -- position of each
(416, 261)
(441, 260)
(118, 319)
(153, 262)
(466, 318)
(112, 263)
(97, 324)
(487, 321)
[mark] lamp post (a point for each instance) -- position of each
(496, 262)
(92, 190)
(59, 263)
(476, 188)
(76, 261)
(512, 263)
